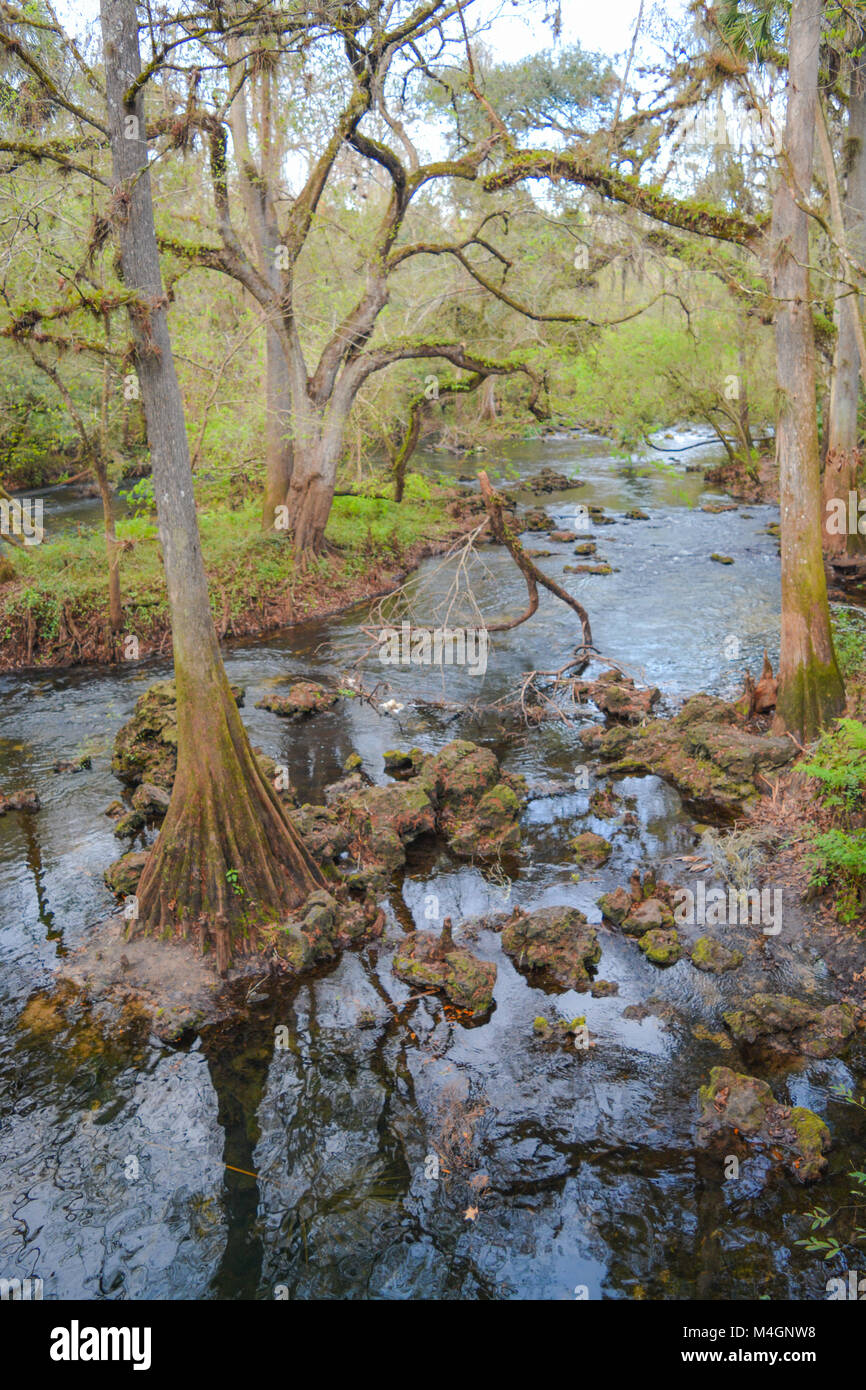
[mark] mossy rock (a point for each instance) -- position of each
(734, 1101)
(145, 748)
(303, 699)
(617, 696)
(591, 849)
(555, 941)
(702, 751)
(129, 824)
(466, 981)
(322, 832)
(122, 876)
(650, 915)
(722, 559)
(398, 761)
(782, 1023)
(615, 906)
(458, 775)
(493, 827)
(661, 947)
(713, 956)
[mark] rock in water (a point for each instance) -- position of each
(557, 941)
(304, 699)
(425, 959)
(747, 1106)
(779, 1023)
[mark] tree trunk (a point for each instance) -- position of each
(278, 445)
(810, 686)
(314, 478)
(115, 607)
(843, 456)
(227, 859)
(487, 408)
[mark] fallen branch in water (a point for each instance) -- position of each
(503, 533)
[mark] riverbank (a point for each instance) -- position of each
(54, 609)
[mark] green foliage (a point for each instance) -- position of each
(838, 855)
(140, 499)
(839, 765)
(829, 1246)
(839, 858)
(849, 639)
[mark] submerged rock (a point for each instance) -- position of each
(590, 848)
(781, 1023)
(466, 981)
(605, 803)
(72, 764)
(733, 1101)
(713, 956)
(27, 799)
(557, 941)
(303, 699)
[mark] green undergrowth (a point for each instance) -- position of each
(837, 855)
(63, 582)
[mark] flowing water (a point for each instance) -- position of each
(119, 1168)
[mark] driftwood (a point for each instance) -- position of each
(503, 533)
(761, 696)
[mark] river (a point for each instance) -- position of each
(119, 1169)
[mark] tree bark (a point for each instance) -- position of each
(257, 195)
(115, 606)
(810, 687)
(227, 860)
(843, 456)
(278, 444)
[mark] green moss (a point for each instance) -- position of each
(661, 946)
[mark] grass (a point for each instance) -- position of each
(61, 586)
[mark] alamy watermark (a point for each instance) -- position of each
(846, 518)
(22, 519)
(438, 646)
(713, 907)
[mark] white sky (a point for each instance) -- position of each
(605, 26)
